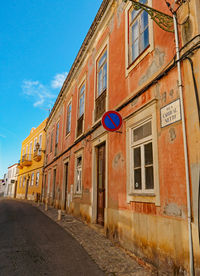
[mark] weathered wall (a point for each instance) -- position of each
(153, 227)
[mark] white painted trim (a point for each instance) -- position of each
(105, 45)
(81, 83)
(65, 161)
(151, 41)
(95, 144)
(147, 112)
(77, 155)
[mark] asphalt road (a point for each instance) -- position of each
(32, 244)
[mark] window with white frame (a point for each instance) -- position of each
(49, 182)
(56, 142)
(30, 150)
(47, 145)
(102, 73)
(40, 140)
(51, 145)
(32, 179)
(81, 106)
(142, 159)
(37, 179)
(78, 179)
(35, 142)
(24, 180)
(100, 104)
(57, 133)
(138, 32)
(69, 113)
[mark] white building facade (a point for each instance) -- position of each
(11, 181)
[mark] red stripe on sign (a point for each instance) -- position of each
(111, 120)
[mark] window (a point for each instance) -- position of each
(57, 135)
(102, 74)
(69, 112)
(32, 179)
(51, 145)
(24, 179)
(40, 140)
(54, 184)
(141, 151)
(20, 182)
(49, 183)
(81, 105)
(37, 178)
(142, 155)
(35, 142)
(30, 150)
(47, 145)
(78, 180)
(138, 32)
(100, 103)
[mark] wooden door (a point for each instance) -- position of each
(44, 187)
(54, 185)
(26, 191)
(100, 184)
(66, 184)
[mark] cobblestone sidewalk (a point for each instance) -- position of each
(112, 259)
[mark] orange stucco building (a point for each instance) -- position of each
(132, 182)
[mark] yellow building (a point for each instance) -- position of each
(29, 184)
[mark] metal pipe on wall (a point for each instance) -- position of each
(185, 146)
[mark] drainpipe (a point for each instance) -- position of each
(185, 146)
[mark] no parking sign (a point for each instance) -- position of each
(111, 120)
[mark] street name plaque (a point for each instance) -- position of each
(170, 113)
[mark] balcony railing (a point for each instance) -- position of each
(100, 105)
(26, 160)
(19, 165)
(37, 155)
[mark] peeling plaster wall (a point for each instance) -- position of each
(154, 228)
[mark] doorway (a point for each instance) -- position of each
(44, 183)
(66, 185)
(27, 184)
(100, 183)
(54, 185)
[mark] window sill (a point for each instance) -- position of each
(142, 194)
(77, 138)
(96, 122)
(141, 56)
(78, 195)
(142, 197)
(67, 135)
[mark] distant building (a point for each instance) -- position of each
(10, 184)
(29, 185)
(2, 187)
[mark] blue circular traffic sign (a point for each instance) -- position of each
(111, 120)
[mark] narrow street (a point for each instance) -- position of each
(32, 244)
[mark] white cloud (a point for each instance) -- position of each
(40, 93)
(58, 80)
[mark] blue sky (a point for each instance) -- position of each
(39, 41)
